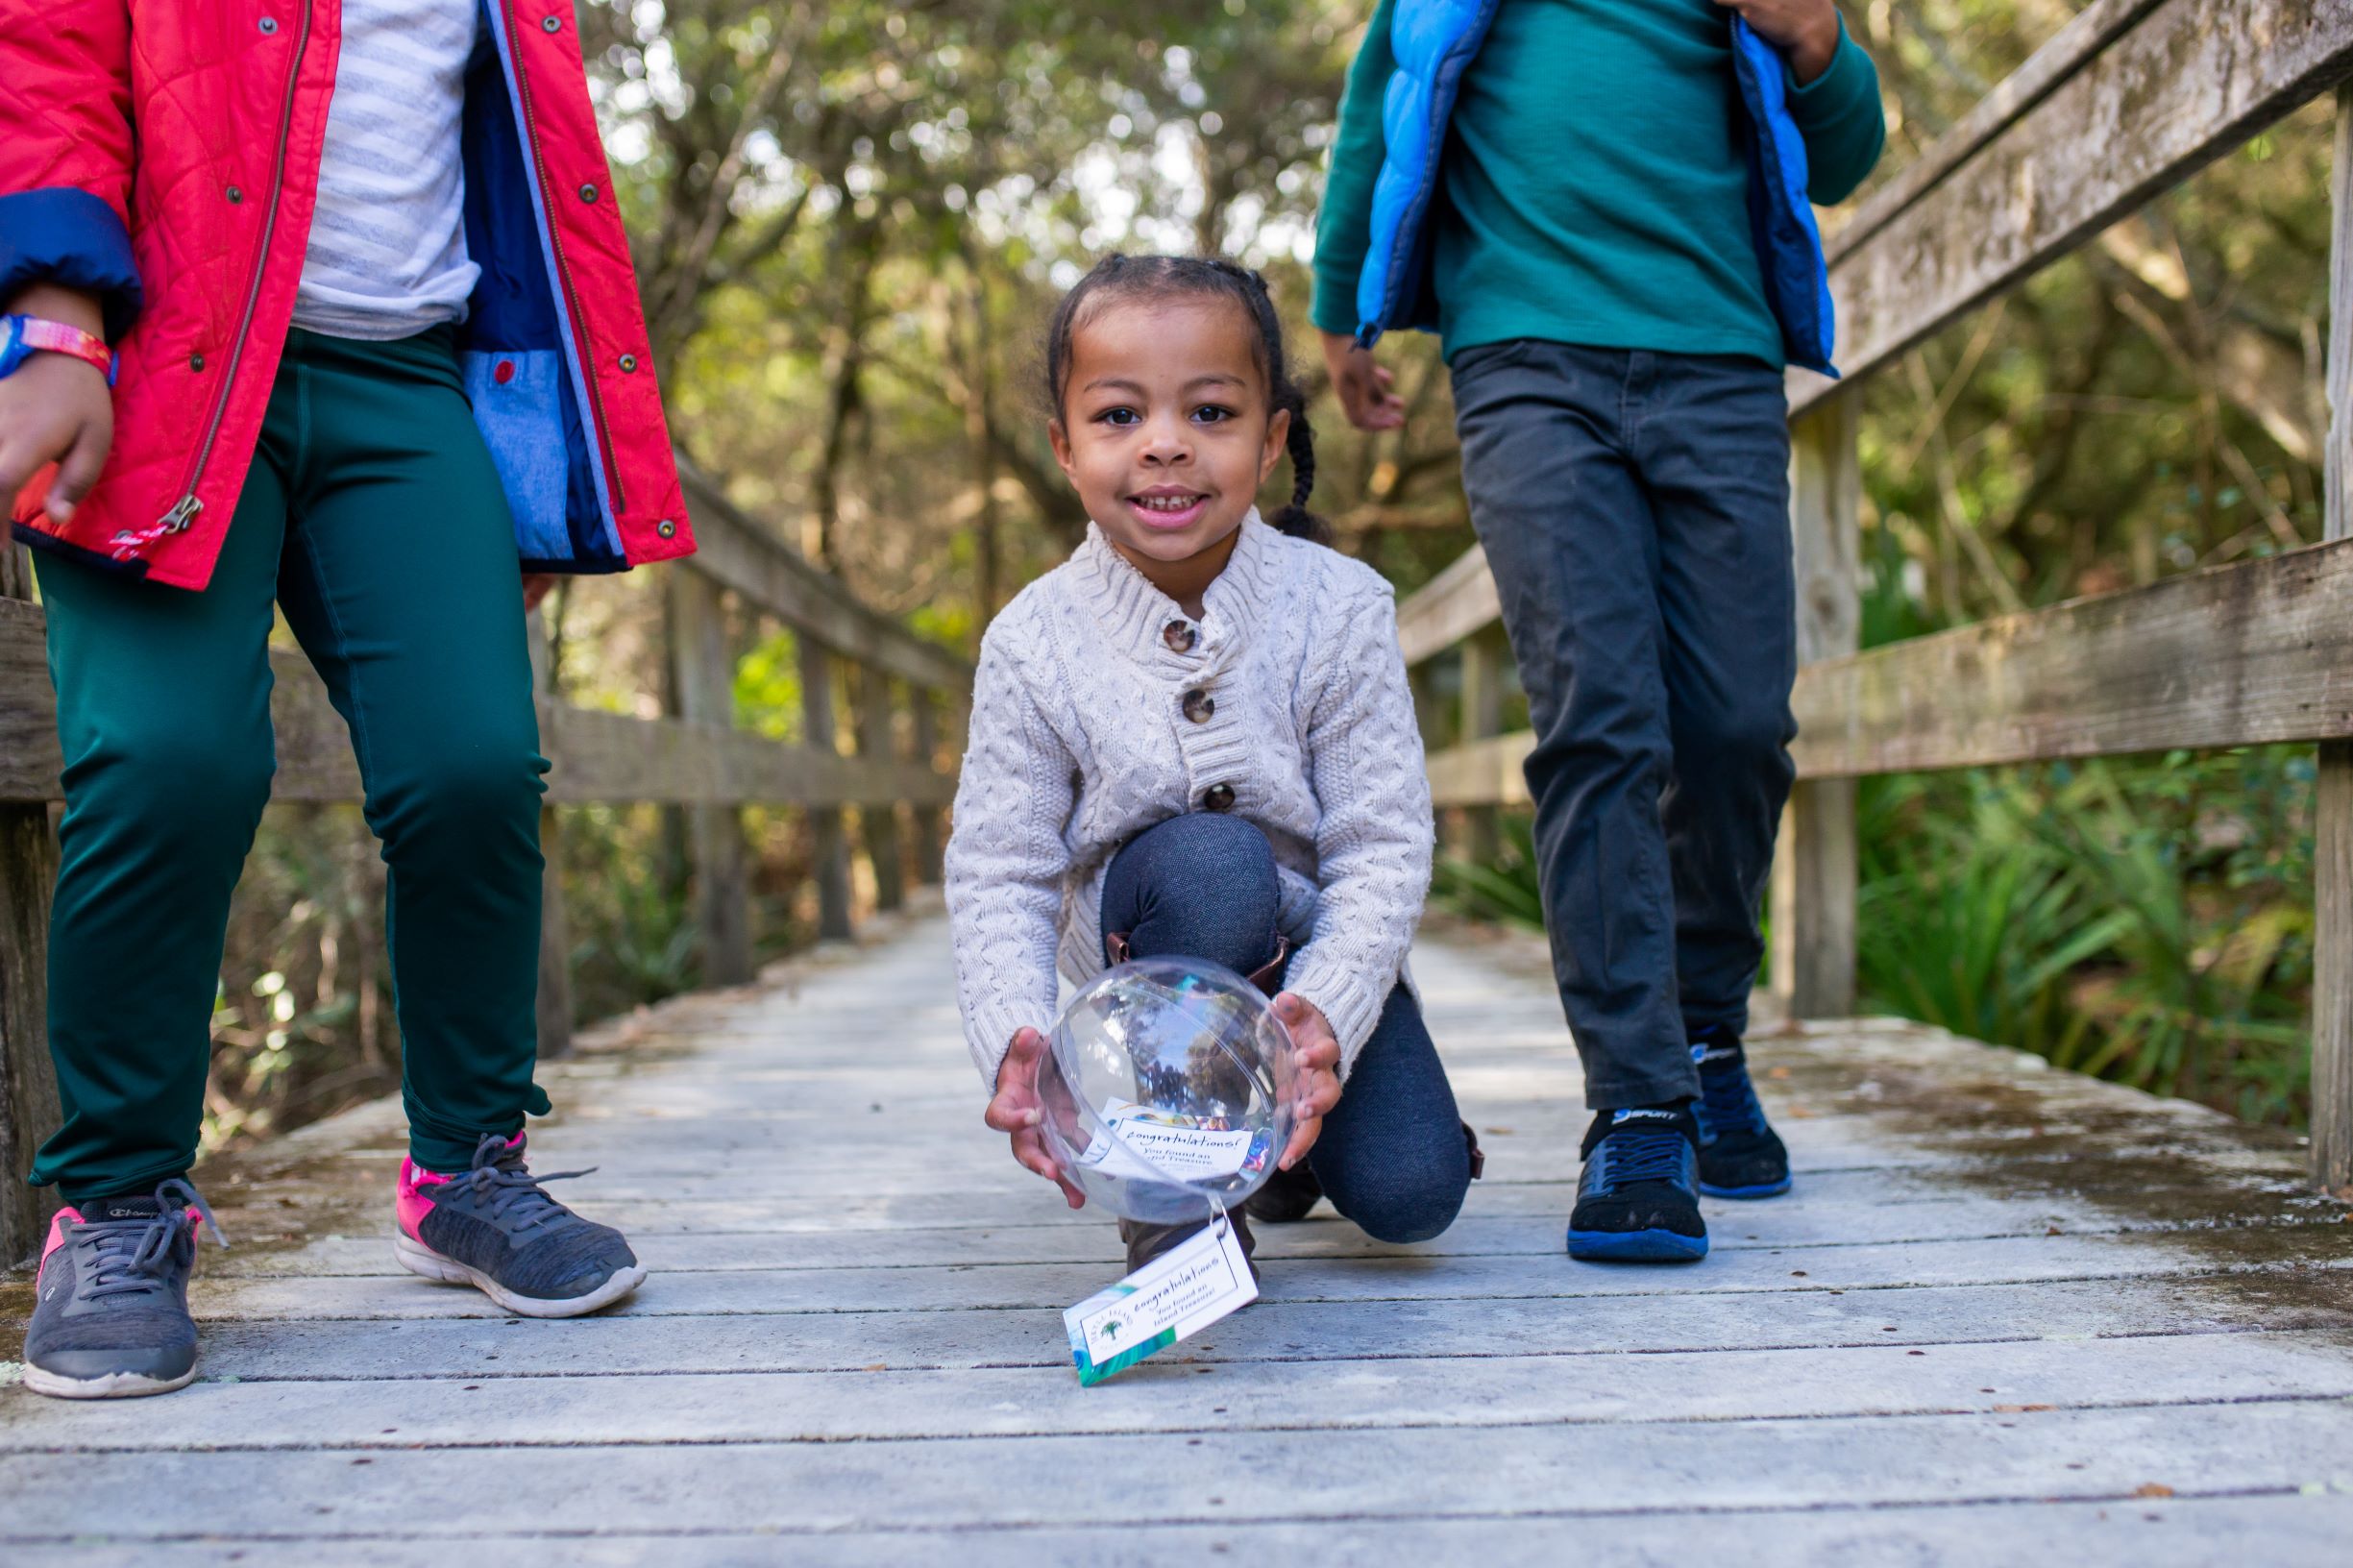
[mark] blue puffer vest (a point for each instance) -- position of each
(1434, 43)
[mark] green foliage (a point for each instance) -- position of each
(2148, 920)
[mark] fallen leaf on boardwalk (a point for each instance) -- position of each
(2015, 1409)
(2050, 1230)
(1778, 1072)
(1798, 1113)
(1501, 1132)
(2154, 1490)
(879, 1366)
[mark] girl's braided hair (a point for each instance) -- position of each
(1149, 276)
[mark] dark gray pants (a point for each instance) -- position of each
(1634, 507)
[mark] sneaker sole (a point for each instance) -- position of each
(1765, 1190)
(1636, 1247)
(113, 1386)
(423, 1260)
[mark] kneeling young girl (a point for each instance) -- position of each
(1193, 739)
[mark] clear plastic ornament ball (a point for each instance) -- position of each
(1170, 1087)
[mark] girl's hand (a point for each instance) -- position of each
(54, 409)
(1319, 1064)
(1366, 389)
(1807, 30)
(1015, 1112)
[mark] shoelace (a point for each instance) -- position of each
(1641, 1157)
(509, 1194)
(1728, 1101)
(126, 1257)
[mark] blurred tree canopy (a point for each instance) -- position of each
(851, 221)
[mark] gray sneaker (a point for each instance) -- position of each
(110, 1319)
(495, 1227)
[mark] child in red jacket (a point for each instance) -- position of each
(327, 308)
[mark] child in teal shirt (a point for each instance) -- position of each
(1601, 206)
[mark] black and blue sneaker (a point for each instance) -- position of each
(1740, 1154)
(1637, 1198)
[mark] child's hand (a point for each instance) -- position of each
(1319, 1064)
(54, 409)
(1014, 1111)
(1805, 30)
(1363, 387)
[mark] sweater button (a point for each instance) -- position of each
(551, 24)
(1198, 706)
(1179, 636)
(667, 529)
(1218, 798)
(628, 363)
(588, 193)
(235, 195)
(269, 26)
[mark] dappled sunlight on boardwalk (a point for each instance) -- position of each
(2107, 1323)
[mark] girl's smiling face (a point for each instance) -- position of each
(1166, 432)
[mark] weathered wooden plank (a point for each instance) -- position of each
(2296, 1529)
(28, 868)
(598, 757)
(877, 815)
(553, 1009)
(900, 1403)
(1919, 1318)
(2186, 84)
(704, 668)
(928, 827)
(1008, 1286)
(2070, 50)
(1815, 858)
(829, 854)
(735, 551)
(2332, 1033)
(1456, 602)
(1482, 773)
(2237, 655)
(1413, 1473)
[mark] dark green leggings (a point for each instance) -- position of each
(373, 516)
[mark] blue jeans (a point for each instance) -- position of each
(1394, 1155)
(1634, 507)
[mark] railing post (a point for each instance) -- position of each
(927, 866)
(2332, 1000)
(830, 844)
(554, 1006)
(880, 817)
(1814, 861)
(28, 1079)
(1483, 657)
(706, 695)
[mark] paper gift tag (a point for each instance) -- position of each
(1143, 1144)
(1175, 1295)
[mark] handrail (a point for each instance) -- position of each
(696, 760)
(2129, 98)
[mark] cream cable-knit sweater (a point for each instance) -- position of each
(1101, 709)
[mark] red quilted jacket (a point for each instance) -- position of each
(164, 154)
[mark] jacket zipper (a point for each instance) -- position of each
(184, 511)
(563, 273)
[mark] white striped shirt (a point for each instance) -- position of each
(388, 253)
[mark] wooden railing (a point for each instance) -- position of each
(899, 780)
(2130, 98)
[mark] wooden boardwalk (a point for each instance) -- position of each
(2007, 1312)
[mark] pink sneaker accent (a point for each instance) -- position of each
(411, 1203)
(68, 1215)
